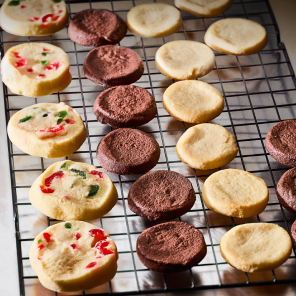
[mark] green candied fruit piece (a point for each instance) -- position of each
(56, 1)
(15, 3)
(45, 53)
(44, 62)
(36, 108)
(80, 173)
(68, 225)
(45, 114)
(63, 114)
(59, 120)
(39, 241)
(26, 119)
(64, 165)
(93, 190)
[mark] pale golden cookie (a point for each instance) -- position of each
(206, 146)
(204, 8)
(35, 69)
(256, 246)
(73, 256)
(153, 20)
(236, 36)
(33, 17)
(193, 101)
(47, 130)
(70, 190)
(184, 59)
(235, 193)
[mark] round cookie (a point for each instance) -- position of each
(127, 151)
(281, 142)
(171, 247)
(35, 69)
(235, 193)
(153, 20)
(256, 246)
(161, 195)
(69, 190)
(33, 17)
(193, 101)
(204, 8)
(286, 190)
(96, 27)
(47, 130)
(184, 59)
(73, 256)
(236, 36)
(293, 234)
(206, 146)
(125, 106)
(111, 65)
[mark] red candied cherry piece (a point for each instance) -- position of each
(102, 247)
(36, 18)
(77, 235)
(91, 264)
(41, 75)
(49, 180)
(46, 190)
(74, 246)
(44, 49)
(46, 236)
(23, 6)
(55, 18)
(16, 54)
(21, 62)
(53, 130)
(60, 11)
(69, 121)
(39, 258)
(30, 70)
(100, 174)
(56, 65)
(40, 247)
(97, 233)
(48, 67)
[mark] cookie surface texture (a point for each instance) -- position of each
(206, 146)
(128, 151)
(193, 101)
(111, 65)
(171, 247)
(293, 233)
(184, 59)
(153, 20)
(33, 17)
(70, 190)
(204, 8)
(161, 195)
(96, 27)
(235, 193)
(256, 246)
(35, 69)
(47, 130)
(73, 256)
(125, 106)
(281, 142)
(236, 36)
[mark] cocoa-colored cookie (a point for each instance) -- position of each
(96, 27)
(293, 234)
(286, 190)
(161, 195)
(111, 65)
(125, 106)
(281, 142)
(171, 247)
(127, 151)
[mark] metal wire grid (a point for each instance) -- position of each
(259, 90)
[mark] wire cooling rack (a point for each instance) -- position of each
(259, 91)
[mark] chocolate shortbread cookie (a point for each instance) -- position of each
(293, 234)
(161, 195)
(171, 247)
(127, 151)
(281, 142)
(96, 27)
(125, 106)
(111, 65)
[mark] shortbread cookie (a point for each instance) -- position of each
(235, 193)
(33, 17)
(35, 69)
(161, 195)
(281, 142)
(73, 256)
(153, 20)
(193, 101)
(236, 36)
(125, 106)
(111, 65)
(256, 246)
(127, 151)
(47, 130)
(96, 27)
(171, 247)
(293, 234)
(206, 146)
(70, 190)
(204, 8)
(184, 59)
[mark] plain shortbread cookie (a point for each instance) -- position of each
(73, 256)
(236, 36)
(153, 20)
(206, 146)
(193, 101)
(235, 193)
(256, 246)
